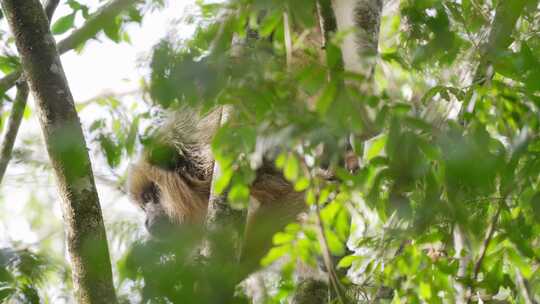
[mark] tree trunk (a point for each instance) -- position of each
(363, 18)
(87, 244)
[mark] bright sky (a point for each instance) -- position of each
(102, 67)
(105, 66)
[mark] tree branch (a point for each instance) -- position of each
(14, 122)
(50, 7)
(506, 16)
(94, 24)
(524, 288)
(85, 231)
(485, 245)
(333, 278)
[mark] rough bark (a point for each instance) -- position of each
(85, 231)
(13, 124)
(89, 30)
(363, 18)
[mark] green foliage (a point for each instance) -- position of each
(422, 176)
(21, 273)
(439, 152)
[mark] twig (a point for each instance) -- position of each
(485, 245)
(523, 285)
(287, 38)
(14, 122)
(463, 260)
(334, 282)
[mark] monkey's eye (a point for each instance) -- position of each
(150, 195)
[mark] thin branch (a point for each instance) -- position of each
(8, 81)
(507, 14)
(524, 288)
(92, 26)
(485, 245)
(14, 122)
(463, 257)
(334, 281)
(287, 38)
(487, 240)
(50, 7)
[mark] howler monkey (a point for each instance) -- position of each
(171, 183)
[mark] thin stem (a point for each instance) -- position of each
(485, 245)
(14, 123)
(327, 257)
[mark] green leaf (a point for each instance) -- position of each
(347, 261)
(63, 24)
(275, 254)
(281, 238)
(336, 246)
(132, 135)
(238, 195)
(112, 30)
(325, 101)
(301, 184)
(375, 146)
(270, 23)
(424, 290)
(224, 180)
(291, 168)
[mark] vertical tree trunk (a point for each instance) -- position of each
(363, 18)
(87, 244)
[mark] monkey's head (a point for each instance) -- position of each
(171, 180)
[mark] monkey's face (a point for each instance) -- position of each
(170, 198)
(157, 221)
